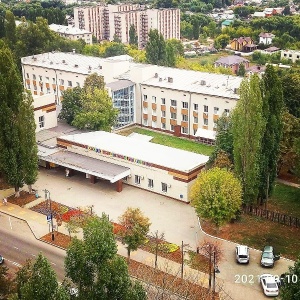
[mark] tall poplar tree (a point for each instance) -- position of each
(11, 95)
(248, 125)
(10, 29)
(272, 96)
(133, 38)
(28, 141)
(156, 48)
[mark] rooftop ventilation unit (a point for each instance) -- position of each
(76, 66)
(170, 79)
(236, 90)
(51, 62)
(90, 67)
(202, 82)
(156, 75)
(160, 79)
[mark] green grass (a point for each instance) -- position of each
(171, 141)
(208, 59)
(285, 199)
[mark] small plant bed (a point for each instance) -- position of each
(198, 262)
(57, 208)
(165, 249)
(24, 198)
(60, 239)
(248, 231)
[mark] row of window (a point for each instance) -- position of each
(138, 178)
(47, 80)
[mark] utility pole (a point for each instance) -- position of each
(51, 215)
(210, 262)
(182, 259)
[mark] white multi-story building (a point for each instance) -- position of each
(72, 33)
(293, 55)
(107, 21)
(165, 99)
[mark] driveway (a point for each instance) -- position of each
(177, 220)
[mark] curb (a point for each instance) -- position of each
(5, 213)
(235, 243)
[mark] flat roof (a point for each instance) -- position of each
(92, 166)
(156, 154)
(120, 84)
(68, 29)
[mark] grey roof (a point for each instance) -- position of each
(231, 60)
(120, 84)
(85, 164)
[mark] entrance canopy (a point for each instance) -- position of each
(206, 134)
(91, 166)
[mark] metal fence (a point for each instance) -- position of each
(272, 215)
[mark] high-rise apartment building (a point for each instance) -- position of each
(107, 21)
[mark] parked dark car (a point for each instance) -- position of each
(268, 257)
(1, 259)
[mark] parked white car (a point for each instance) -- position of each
(242, 254)
(269, 285)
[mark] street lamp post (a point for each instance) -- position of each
(51, 215)
(215, 270)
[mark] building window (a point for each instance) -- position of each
(184, 130)
(78, 84)
(145, 97)
(41, 121)
(173, 116)
(69, 83)
(154, 99)
(27, 75)
(205, 108)
(205, 122)
(41, 89)
(172, 127)
(47, 79)
(164, 187)
(195, 131)
(150, 183)
(62, 82)
(41, 78)
(53, 80)
(173, 103)
(163, 101)
(215, 124)
(216, 110)
(48, 90)
(195, 119)
(33, 76)
(163, 113)
(185, 118)
(125, 179)
(137, 179)
(195, 106)
(226, 110)
(35, 87)
(154, 112)
(145, 122)
(163, 125)
(185, 105)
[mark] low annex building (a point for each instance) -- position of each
(157, 168)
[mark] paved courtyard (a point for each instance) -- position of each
(177, 220)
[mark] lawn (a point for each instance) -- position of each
(209, 58)
(285, 199)
(172, 141)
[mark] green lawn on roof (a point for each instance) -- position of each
(172, 141)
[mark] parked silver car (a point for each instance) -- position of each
(1, 259)
(242, 254)
(268, 258)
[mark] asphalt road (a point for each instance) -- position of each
(17, 244)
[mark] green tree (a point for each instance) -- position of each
(97, 111)
(222, 40)
(11, 96)
(291, 288)
(10, 29)
(170, 56)
(28, 141)
(291, 93)
(248, 125)
(5, 283)
(241, 71)
(133, 38)
(93, 265)
(136, 227)
(196, 28)
(156, 48)
(216, 195)
(272, 97)
(177, 46)
(71, 104)
(92, 82)
(115, 49)
(38, 281)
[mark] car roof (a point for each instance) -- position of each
(268, 277)
(242, 249)
(268, 249)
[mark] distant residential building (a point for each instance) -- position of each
(270, 12)
(293, 55)
(232, 62)
(243, 44)
(72, 33)
(257, 69)
(270, 50)
(259, 14)
(226, 23)
(266, 38)
(109, 21)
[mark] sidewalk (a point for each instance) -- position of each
(39, 227)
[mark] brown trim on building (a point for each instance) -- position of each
(44, 107)
(215, 117)
(47, 85)
(205, 115)
(34, 82)
(173, 122)
(173, 109)
(163, 107)
(195, 126)
(145, 116)
(51, 109)
(163, 120)
(184, 111)
(145, 104)
(154, 118)
(28, 81)
(195, 114)
(61, 87)
(154, 106)
(205, 127)
(184, 124)
(185, 180)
